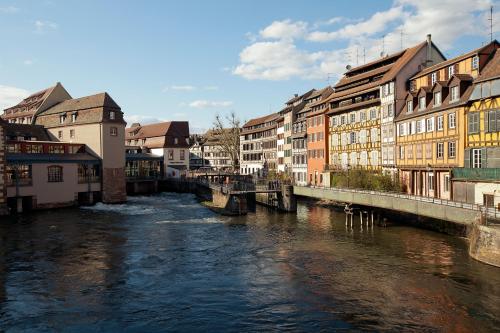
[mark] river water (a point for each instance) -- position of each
(166, 264)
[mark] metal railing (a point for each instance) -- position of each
(489, 212)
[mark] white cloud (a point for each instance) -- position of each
(42, 27)
(28, 62)
(211, 88)
(9, 9)
(10, 96)
(142, 119)
(183, 88)
(277, 55)
(204, 104)
(188, 88)
(284, 30)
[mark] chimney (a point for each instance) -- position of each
(428, 60)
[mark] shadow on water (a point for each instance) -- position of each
(165, 263)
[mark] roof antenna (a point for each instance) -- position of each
(491, 23)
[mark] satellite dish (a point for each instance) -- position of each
(348, 67)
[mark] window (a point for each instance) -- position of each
(476, 158)
(353, 118)
(454, 94)
(56, 149)
(419, 126)
(18, 175)
(430, 124)
(352, 138)
(428, 150)
(451, 120)
(401, 152)
(440, 150)
(72, 134)
(73, 117)
(492, 121)
(362, 116)
(373, 113)
(430, 180)
(409, 106)
(474, 122)
(421, 103)
(451, 70)
(55, 174)
(60, 135)
(475, 62)
(437, 98)
(62, 118)
(34, 149)
(447, 183)
(113, 131)
(440, 122)
(183, 154)
(390, 110)
(112, 115)
(433, 78)
(170, 154)
(176, 141)
(452, 149)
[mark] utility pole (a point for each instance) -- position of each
(491, 23)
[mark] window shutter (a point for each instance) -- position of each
(467, 158)
(486, 121)
(446, 74)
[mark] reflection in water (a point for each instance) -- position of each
(165, 263)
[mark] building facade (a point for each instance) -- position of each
(364, 105)
(479, 181)
(258, 145)
(167, 139)
(98, 122)
(431, 127)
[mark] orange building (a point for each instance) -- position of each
(317, 138)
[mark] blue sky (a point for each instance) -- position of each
(188, 60)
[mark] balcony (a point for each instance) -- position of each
(487, 174)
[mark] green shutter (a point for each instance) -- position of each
(484, 159)
(467, 158)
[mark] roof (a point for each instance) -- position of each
(26, 130)
(261, 120)
(33, 99)
(492, 68)
(161, 134)
(82, 103)
(388, 67)
(454, 60)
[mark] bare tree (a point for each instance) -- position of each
(227, 130)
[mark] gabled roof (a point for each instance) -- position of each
(82, 103)
(25, 130)
(446, 63)
(261, 120)
(161, 134)
(33, 99)
(492, 68)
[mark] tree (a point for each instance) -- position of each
(227, 130)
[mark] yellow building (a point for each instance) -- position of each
(479, 181)
(430, 129)
(364, 105)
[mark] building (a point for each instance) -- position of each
(258, 145)
(196, 159)
(167, 139)
(26, 111)
(97, 121)
(280, 143)
(141, 164)
(41, 173)
(431, 131)
(479, 181)
(215, 154)
(3, 188)
(364, 105)
(317, 136)
(289, 113)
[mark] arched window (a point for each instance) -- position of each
(55, 174)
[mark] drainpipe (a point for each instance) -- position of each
(428, 60)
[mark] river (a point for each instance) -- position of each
(166, 264)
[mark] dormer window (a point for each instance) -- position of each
(73, 117)
(454, 94)
(176, 141)
(437, 98)
(112, 115)
(409, 107)
(475, 62)
(421, 103)
(451, 70)
(62, 118)
(433, 78)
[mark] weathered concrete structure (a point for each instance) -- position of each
(485, 244)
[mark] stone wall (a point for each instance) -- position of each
(485, 244)
(113, 185)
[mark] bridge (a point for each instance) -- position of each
(457, 212)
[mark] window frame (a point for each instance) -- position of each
(55, 177)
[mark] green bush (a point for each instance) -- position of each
(366, 180)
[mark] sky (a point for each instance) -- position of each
(189, 60)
